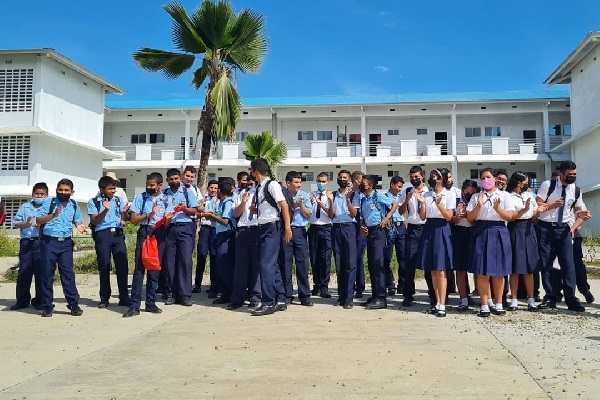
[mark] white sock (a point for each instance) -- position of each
(442, 307)
(485, 308)
(490, 303)
(464, 302)
(531, 302)
(514, 302)
(498, 306)
(437, 306)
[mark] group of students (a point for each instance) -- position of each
(255, 229)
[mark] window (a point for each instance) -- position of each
(157, 138)
(307, 176)
(472, 131)
(16, 90)
(475, 174)
(330, 175)
(393, 173)
(560, 130)
(393, 132)
(138, 138)
(566, 130)
(12, 206)
(241, 136)
(324, 135)
(421, 131)
(212, 176)
(14, 153)
(305, 135)
(492, 131)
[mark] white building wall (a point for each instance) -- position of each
(19, 61)
(585, 92)
(585, 155)
(119, 134)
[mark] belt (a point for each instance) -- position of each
(344, 223)
(180, 223)
(552, 224)
(320, 226)
(416, 226)
(57, 239)
(246, 228)
(31, 239)
(297, 227)
(268, 224)
(113, 230)
(374, 227)
(398, 223)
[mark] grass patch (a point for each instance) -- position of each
(9, 246)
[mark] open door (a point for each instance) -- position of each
(441, 139)
(374, 140)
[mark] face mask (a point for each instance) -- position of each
(467, 197)
(63, 198)
(431, 182)
(570, 179)
(449, 185)
(362, 188)
(524, 188)
(488, 183)
(415, 182)
(321, 186)
(243, 186)
(342, 183)
(38, 201)
(174, 186)
(151, 191)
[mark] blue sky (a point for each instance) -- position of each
(326, 47)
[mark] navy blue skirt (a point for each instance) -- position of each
(526, 256)
(461, 242)
(491, 251)
(435, 248)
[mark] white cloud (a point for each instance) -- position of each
(382, 68)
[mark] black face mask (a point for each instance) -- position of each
(467, 197)
(342, 183)
(151, 191)
(243, 186)
(415, 182)
(174, 187)
(449, 185)
(362, 188)
(62, 197)
(524, 188)
(570, 179)
(432, 182)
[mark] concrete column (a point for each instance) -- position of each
(363, 140)
(274, 124)
(454, 135)
(186, 150)
(546, 128)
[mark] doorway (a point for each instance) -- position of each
(374, 140)
(441, 139)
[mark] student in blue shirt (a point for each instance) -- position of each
(205, 235)
(107, 215)
(376, 214)
(29, 249)
(297, 248)
(58, 215)
(224, 243)
(397, 241)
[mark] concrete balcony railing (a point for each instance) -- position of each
(151, 152)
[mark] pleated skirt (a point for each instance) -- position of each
(525, 251)
(435, 249)
(461, 243)
(491, 250)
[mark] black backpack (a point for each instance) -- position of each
(552, 187)
(185, 194)
(269, 199)
(51, 210)
(97, 204)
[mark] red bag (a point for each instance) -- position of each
(150, 257)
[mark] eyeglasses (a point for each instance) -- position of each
(501, 179)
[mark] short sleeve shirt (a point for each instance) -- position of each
(62, 225)
(26, 211)
(487, 212)
(143, 204)
(519, 201)
(112, 219)
(342, 213)
(552, 215)
(448, 201)
(370, 214)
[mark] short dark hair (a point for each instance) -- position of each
(567, 165)
(555, 174)
(290, 176)
(251, 178)
(470, 183)
(105, 182)
(241, 175)
(356, 174)
(416, 169)
(172, 172)
(229, 180)
(190, 168)
(156, 177)
(516, 178)
(225, 187)
(345, 171)
(325, 174)
(212, 182)
(501, 171)
(488, 169)
(396, 179)
(261, 165)
(373, 179)
(66, 182)
(40, 185)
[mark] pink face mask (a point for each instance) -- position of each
(488, 183)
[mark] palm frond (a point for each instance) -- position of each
(211, 20)
(248, 41)
(184, 36)
(226, 104)
(200, 74)
(172, 65)
(264, 146)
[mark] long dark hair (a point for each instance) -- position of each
(441, 173)
(516, 178)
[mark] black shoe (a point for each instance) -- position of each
(470, 301)
(512, 308)
(169, 300)
(440, 313)
(547, 304)
(407, 302)
(325, 294)
(500, 311)
(280, 307)
(125, 302)
(131, 312)
(559, 298)
(348, 306)
(531, 308)
(186, 301)
(463, 308)
(358, 295)
(576, 307)
(254, 304)
(47, 312)
(221, 300)
(103, 304)
(537, 298)
(289, 300)
(391, 292)
(212, 295)
(164, 296)
(377, 304)
(18, 306)
(263, 310)
(160, 290)
(366, 303)
(589, 297)
(314, 292)
(196, 289)
(432, 310)
(307, 302)
(483, 314)
(399, 290)
(75, 310)
(234, 306)
(475, 293)
(152, 309)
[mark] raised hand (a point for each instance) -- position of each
(57, 211)
(527, 204)
(558, 203)
(105, 203)
(496, 203)
(480, 199)
(329, 194)
(245, 197)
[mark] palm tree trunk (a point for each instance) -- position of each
(205, 125)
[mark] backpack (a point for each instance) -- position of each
(269, 199)
(390, 229)
(97, 204)
(185, 194)
(552, 187)
(51, 210)
(232, 220)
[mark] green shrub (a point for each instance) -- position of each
(9, 246)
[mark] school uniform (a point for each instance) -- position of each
(180, 245)
(246, 280)
(319, 243)
(225, 249)
(397, 243)
(526, 256)
(435, 249)
(57, 249)
(109, 242)
(212, 237)
(29, 257)
(343, 237)
(580, 270)
(461, 239)
(554, 240)
(361, 247)
(296, 250)
(491, 250)
(373, 209)
(143, 204)
(202, 248)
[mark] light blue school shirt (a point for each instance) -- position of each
(342, 213)
(112, 219)
(61, 226)
(178, 198)
(369, 212)
(143, 204)
(25, 211)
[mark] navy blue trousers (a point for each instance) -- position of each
(580, 272)
(296, 250)
(319, 242)
(246, 275)
(361, 246)
(397, 244)
(53, 253)
(270, 276)
(202, 253)
(555, 241)
(411, 250)
(138, 274)
(29, 267)
(109, 244)
(344, 250)
(225, 263)
(178, 259)
(376, 239)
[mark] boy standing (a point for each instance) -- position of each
(319, 236)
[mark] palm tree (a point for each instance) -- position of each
(264, 146)
(225, 42)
